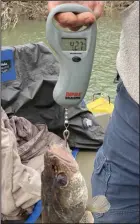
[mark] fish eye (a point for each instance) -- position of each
(61, 179)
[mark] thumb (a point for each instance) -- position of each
(98, 9)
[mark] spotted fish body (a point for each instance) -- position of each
(64, 190)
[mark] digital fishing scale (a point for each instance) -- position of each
(75, 52)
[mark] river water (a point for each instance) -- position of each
(104, 66)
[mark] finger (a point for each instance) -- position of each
(85, 18)
(75, 22)
(99, 9)
(66, 19)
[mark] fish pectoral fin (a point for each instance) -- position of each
(87, 218)
(99, 204)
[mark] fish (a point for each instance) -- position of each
(64, 192)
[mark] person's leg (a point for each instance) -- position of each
(116, 166)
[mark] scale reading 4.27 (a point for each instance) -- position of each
(75, 53)
(69, 44)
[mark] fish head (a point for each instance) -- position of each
(64, 187)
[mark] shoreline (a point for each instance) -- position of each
(15, 11)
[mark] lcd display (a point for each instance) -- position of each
(73, 44)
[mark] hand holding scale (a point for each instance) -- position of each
(75, 53)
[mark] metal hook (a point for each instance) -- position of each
(66, 134)
(66, 125)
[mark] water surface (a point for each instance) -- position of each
(104, 66)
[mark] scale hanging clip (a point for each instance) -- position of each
(66, 132)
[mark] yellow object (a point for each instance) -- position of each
(100, 105)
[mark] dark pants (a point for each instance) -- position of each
(116, 166)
